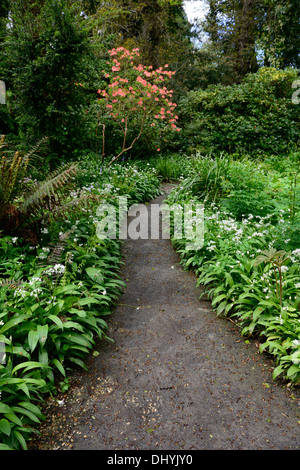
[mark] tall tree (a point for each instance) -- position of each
(159, 28)
(231, 26)
(46, 53)
(279, 32)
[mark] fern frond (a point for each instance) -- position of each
(48, 189)
(78, 201)
(11, 283)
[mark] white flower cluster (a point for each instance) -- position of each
(44, 253)
(56, 269)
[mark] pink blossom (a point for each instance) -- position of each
(141, 80)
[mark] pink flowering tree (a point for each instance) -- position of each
(137, 99)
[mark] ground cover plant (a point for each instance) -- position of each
(250, 261)
(56, 296)
(99, 101)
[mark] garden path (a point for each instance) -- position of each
(176, 377)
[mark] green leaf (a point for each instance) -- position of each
(294, 369)
(42, 332)
(21, 439)
(12, 417)
(60, 367)
(277, 371)
(79, 362)
(33, 338)
(31, 407)
(95, 275)
(25, 412)
(88, 300)
(28, 366)
(218, 298)
(57, 321)
(72, 324)
(5, 427)
(4, 408)
(5, 447)
(13, 322)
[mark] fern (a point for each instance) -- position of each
(12, 169)
(47, 192)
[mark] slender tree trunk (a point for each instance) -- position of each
(246, 60)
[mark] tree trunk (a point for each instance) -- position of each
(246, 60)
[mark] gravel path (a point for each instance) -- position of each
(176, 377)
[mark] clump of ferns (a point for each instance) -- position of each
(23, 211)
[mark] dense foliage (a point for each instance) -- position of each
(254, 117)
(250, 262)
(55, 297)
(96, 94)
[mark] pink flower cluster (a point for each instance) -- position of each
(138, 92)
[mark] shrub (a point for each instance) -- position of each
(254, 117)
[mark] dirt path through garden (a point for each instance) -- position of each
(175, 378)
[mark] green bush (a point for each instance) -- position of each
(256, 116)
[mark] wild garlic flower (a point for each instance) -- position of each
(56, 269)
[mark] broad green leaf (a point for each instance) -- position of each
(12, 417)
(95, 275)
(25, 412)
(33, 338)
(4, 408)
(60, 367)
(5, 447)
(28, 366)
(20, 438)
(72, 324)
(57, 321)
(294, 369)
(218, 299)
(13, 322)
(88, 300)
(42, 332)
(31, 407)
(5, 426)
